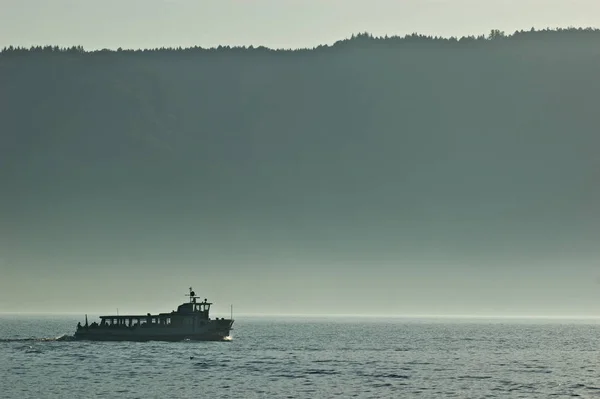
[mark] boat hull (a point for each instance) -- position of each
(215, 331)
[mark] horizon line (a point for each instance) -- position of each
(363, 316)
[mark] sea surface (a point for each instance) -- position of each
(309, 358)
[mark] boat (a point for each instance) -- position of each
(191, 321)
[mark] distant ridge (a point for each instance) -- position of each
(360, 39)
(413, 149)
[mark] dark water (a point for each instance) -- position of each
(309, 358)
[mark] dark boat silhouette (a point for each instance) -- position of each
(190, 321)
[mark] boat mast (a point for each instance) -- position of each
(192, 296)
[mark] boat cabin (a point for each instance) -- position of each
(185, 312)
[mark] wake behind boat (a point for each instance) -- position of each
(190, 321)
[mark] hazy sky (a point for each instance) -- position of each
(273, 23)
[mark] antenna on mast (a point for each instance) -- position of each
(192, 295)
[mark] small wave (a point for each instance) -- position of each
(29, 349)
(583, 386)
(332, 361)
(18, 339)
(64, 337)
(204, 365)
(473, 377)
(321, 372)
(381, 384)
(393, 375)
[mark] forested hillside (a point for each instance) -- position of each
(368, 146)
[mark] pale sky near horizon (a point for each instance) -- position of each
(274, 23)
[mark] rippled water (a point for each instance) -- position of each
(309, 358)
